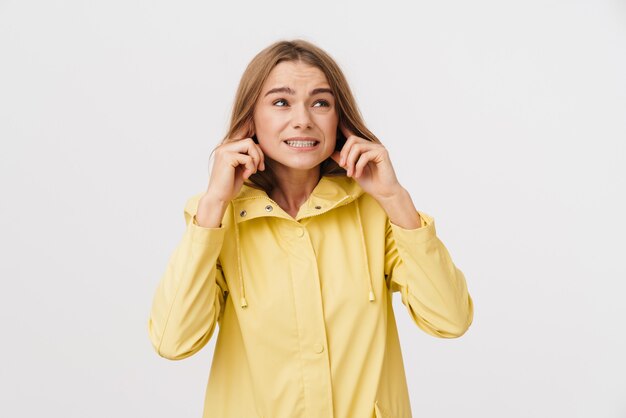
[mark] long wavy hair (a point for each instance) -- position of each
(252, 82)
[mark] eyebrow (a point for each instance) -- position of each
(288, 90)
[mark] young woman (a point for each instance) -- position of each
(295, 249)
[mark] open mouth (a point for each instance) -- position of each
(302, 143)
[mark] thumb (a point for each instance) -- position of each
(336, 156)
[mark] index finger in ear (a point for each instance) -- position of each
(262, 163)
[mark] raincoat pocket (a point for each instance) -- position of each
(381, 412)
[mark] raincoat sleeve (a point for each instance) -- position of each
(433, 289)
(190, 296)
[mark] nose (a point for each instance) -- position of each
(301, 117)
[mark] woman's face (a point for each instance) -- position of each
(295, 119)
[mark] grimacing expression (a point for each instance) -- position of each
(295, 118)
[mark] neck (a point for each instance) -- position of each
(293, 187)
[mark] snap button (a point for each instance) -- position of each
(269, 208)
(300, 232)
(318, 207)
(318, 348)
(243, 213)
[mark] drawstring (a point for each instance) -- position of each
(364, 248)
(244, 303)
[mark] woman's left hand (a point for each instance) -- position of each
(369, 164)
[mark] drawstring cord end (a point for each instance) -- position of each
(364, 249)
(244, 303)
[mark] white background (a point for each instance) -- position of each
(505, 120)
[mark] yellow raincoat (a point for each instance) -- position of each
(306, 325)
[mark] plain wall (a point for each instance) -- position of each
(506, 121)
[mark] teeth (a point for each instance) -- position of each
(301, 143)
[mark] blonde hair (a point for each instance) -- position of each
(252, 82)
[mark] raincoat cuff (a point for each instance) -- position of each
(417, 235)
(202, 235)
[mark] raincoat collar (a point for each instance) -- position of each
(329, 193)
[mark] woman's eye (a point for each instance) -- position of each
(283, 103)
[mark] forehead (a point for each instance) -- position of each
(293, 74)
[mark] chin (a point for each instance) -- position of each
(301, 165)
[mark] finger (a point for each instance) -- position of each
(355, 151)
(336, 156)
(345, 151)
(262, 165)
(364, 159)
(247, 147)
(244, 160)
(255, 152)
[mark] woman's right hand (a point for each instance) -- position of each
(234, 162)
